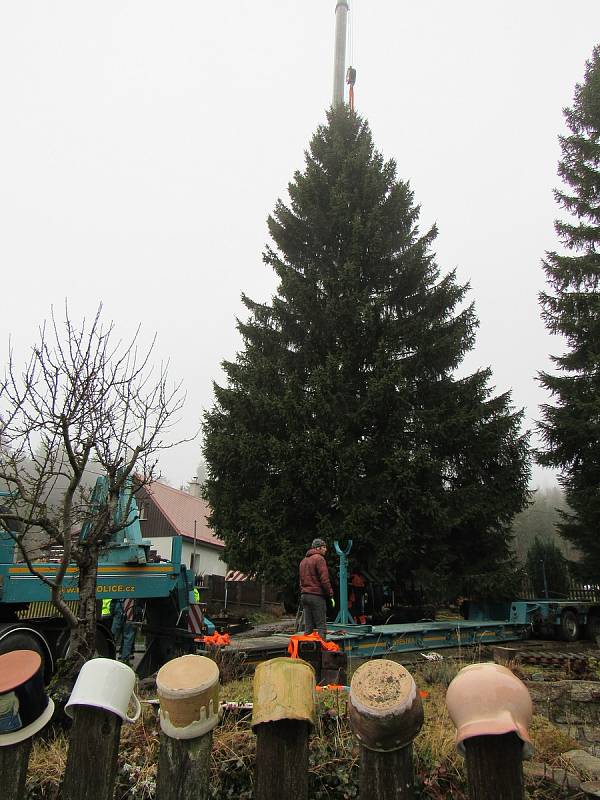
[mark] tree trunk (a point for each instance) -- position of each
(83, 637)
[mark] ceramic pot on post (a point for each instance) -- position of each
(492, 710)
(386, 713)
(99, 704)
(24, 710)
(283, 715)
(188, 691)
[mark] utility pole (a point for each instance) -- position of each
(194, 556)
(339, 62)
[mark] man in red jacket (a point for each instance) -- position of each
(315, 588)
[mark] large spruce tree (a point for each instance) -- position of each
(342, 417)
(570, 426)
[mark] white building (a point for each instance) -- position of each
(166, 512)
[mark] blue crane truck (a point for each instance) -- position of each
(28, 619)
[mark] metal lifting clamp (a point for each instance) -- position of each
(343, 616)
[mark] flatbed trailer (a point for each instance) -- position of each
(368, 641)
(561, 619)
(486, 623)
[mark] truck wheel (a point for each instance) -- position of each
(569, 626)
(22, 640)
(105, 647)
(592, 628)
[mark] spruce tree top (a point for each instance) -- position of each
(574, 276)
(348, 246)
(572, 307)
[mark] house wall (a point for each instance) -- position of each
(207, 558)
(208, 561)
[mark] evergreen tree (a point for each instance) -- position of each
(547, 569)
(341, 417)
(571, 426)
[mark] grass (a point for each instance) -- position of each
(47, 765)
(333, 750)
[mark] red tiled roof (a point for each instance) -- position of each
(182, 509)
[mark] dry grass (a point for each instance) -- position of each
(47, 765)
(435, 744)
(549, 742)
(232, 761)
(139, 756)
(231, 663)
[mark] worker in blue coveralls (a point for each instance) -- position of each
(123, 629)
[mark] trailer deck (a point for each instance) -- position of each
(368, 641)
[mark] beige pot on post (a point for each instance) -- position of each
(284, 688)
(188, 690)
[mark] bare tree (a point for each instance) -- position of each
(85, 399)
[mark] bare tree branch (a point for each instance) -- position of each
(83, 397)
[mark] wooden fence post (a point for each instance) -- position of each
(183, 768)
(24, 710)
(282, 717)
(494, 767)
(14, 760)
(92, 758)
(188, 690)
(492, 710)
(385, 712)
(263, 592)
(98, 704)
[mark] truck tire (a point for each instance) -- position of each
(19, 639)
(569, 626)
(592, 628)
(105, 646)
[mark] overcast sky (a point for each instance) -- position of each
(143, 145)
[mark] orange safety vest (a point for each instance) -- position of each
(310, 637)
(217, 639)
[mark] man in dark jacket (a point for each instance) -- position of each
(315, 588)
